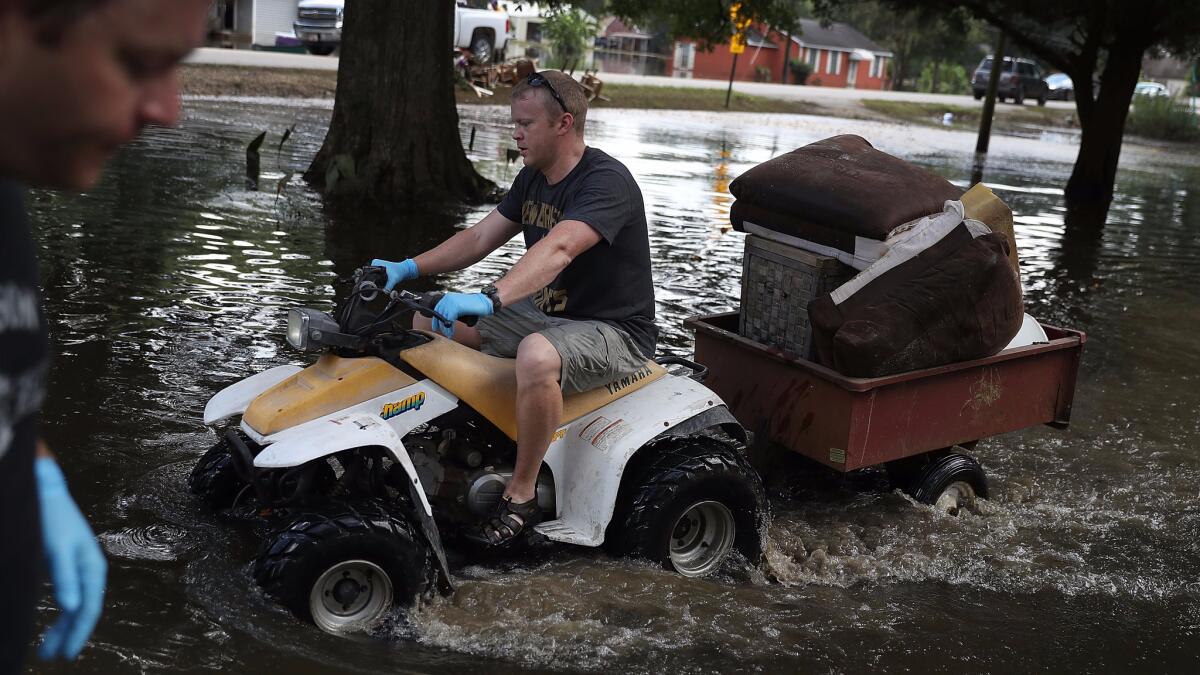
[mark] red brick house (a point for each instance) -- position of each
(840, 56)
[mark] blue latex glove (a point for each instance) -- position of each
(77, 566)
(397, 271)
(456, 305)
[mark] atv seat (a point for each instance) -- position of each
(489, 383)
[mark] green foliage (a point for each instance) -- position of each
(708, 21)
(800, 70)
(1164, 118)
(1074, 36)
(570, 32)
(951, 78)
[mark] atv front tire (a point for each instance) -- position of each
(697, 500)
(217, 483)
(344, 567)
(214, 479)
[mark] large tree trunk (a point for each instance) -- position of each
(394, 135)
(1089, 191)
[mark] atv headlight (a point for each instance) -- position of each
(308, 328)
(297, 330)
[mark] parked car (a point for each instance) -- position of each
(483, 31)
(1019, 79)
(1150, 89)
(1060, 86)
(319, 26)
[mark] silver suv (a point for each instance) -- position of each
(1019, 79)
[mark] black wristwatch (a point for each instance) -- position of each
(493, 294)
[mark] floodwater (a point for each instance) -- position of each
(172, 279)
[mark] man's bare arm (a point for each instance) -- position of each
(468, 246)
(546, 259)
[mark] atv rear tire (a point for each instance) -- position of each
(344, 567)
(698, 499)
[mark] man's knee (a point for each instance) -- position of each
(537, 360)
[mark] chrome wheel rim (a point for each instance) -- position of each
(351, 595)
(701, 538)
(956, 495)
(482, 49)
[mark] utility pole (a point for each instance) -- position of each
(787, 52)
(737, 44)
(989, 107)
(732, 71)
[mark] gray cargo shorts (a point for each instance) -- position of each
(593, 353)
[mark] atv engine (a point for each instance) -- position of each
(464, 475)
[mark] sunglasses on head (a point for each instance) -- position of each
(539, 80)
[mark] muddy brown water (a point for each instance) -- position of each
(171, 280)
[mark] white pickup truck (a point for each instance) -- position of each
(319, 26)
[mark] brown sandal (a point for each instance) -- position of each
(507, 522)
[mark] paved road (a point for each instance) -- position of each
(258, 59)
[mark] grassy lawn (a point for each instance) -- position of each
(1008, 116)
(237, 81)
(667, 98)
(229, 80)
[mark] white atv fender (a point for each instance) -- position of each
(363, 426)
(234, 399)
(329, 435)
(588, 457)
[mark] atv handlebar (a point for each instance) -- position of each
(368, 284)
(431, 299)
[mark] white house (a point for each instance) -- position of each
(525, 38)
(254, 22)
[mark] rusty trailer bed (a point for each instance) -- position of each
(848, 423)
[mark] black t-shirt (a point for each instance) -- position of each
(611, 281)
(24, 355)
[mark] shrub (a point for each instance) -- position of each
(952, 79)
(800, 70)
(762, 74)
(1164, 118)
(569, 32)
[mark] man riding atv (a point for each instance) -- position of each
(577, 311)
(359, 461)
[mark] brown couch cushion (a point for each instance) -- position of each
(957, 300)
(843, 184)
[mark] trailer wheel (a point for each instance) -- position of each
(344, 567)
(695, 501)
(949, 482)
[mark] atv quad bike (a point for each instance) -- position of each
(361, 460)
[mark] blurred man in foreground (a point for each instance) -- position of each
(78, 78)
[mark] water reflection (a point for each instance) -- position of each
(170, 282)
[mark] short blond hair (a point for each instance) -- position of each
(571, 92)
